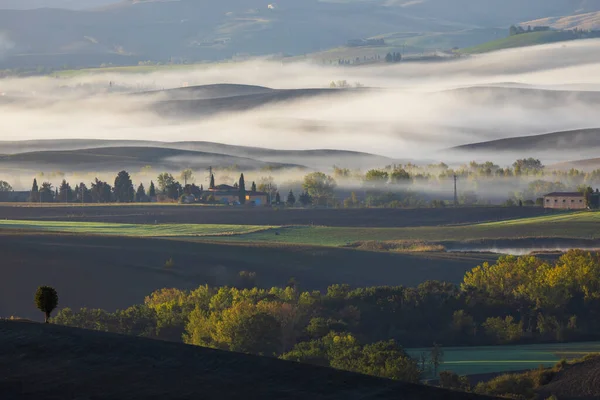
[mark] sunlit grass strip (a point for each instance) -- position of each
(139, 230)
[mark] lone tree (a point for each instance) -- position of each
(242, 189)
(46, 300)
(212, 182)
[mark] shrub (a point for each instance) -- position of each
(170, 263)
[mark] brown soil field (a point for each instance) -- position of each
(116, 272)
(191, 214)
(42, 361)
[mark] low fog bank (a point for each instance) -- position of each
(415, 113)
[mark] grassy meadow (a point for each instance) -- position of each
(582, 225)
(490, 359)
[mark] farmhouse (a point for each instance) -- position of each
(230, 195)
(565, 200)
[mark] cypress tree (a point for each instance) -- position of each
(35, 192)
(253, 187)
(212, 182)
(152, 190)
(242, 189)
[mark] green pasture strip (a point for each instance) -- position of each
(572, 225)
(489, 359)
(140, 230)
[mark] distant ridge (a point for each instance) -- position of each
(311, 158)
(43, 361)
(116, 158)
(584, 139)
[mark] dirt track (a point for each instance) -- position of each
(269, 216)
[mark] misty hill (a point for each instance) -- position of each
(117, 158)
(133, 31)
(56, 149)
(70, 4)
(582, 139)
(585, 21)
(578, 381)
(52, 362)
(522, 40)
(183, 103)
(532, 97)
(585, 165)
(203, 92)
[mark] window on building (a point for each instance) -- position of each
(247, 197)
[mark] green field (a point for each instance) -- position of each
(522, 40)
(489, 359)
(572, 225)
(137, 230)
(582, 225)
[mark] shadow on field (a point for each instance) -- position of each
(116, 272)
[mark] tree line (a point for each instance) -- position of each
(516, 300)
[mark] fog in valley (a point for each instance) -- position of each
(406, 113)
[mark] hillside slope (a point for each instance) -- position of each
(580, 381)
(117, 158)
(522, 40)
(581, 139)
(131, 31)
(585, 21)
(311, 158)
(54, 362)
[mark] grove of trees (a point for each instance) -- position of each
(516, 300)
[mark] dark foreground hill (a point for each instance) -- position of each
(580, 381)
(53, 362)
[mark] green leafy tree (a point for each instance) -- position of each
(140, 194)
(5, 187)
(164, 181)
(152, 190)
(123, 189)
(101, 192)
(46, 193)
(291, 199)
(320, 187)
(46, 300)
(399, 175)
(376, 176)
(34, 195)
(242, 189)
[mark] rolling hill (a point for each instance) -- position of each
(585, 21)
(131, 31)
(117, 158)
(49, 361)
(580, 140)
(522, 40)
(137, 153)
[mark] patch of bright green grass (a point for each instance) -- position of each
(159, 230)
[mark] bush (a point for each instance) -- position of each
(170, 263)
(450, 380)
(519, 386)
